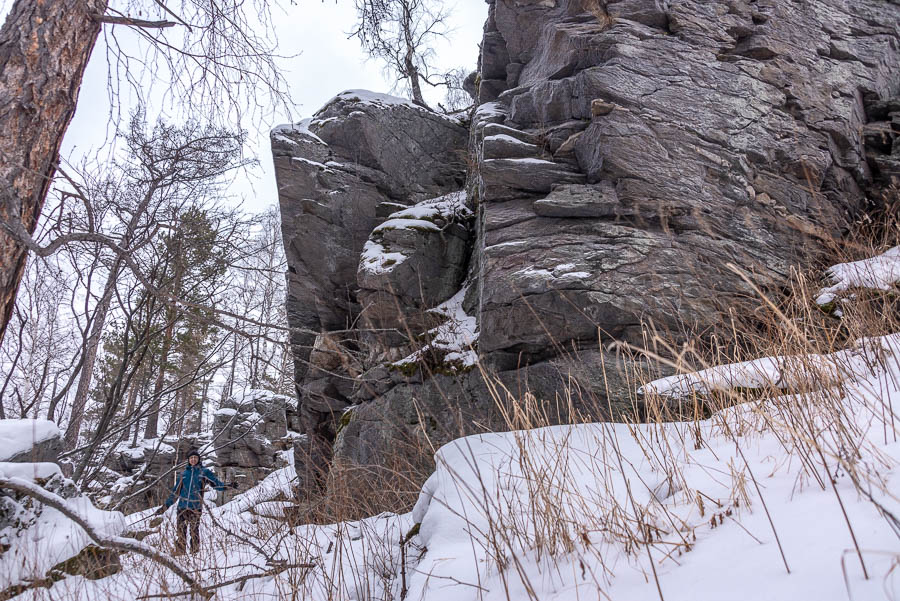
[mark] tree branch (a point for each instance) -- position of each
(111, 542)
(143, 23)
(240, 579)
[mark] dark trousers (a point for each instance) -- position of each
(188, 517)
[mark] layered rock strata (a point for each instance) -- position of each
(636, 166)
(362, 162)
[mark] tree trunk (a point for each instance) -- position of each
(153, 416)
(44, 49)
(90, 355)
(414, 84)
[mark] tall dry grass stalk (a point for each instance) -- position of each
(822, 424)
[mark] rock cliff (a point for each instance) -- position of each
(630, 165)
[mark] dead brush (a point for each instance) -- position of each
(807, 400)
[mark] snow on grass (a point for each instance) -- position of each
(19, 436)
(881, 272)
(596, 511)
(782, 372)
(556, 513)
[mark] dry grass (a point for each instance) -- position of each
(549, 513)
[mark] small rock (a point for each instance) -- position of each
(92, 562)
(601, 107)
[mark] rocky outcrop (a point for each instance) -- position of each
(362, 157)
(251, 433)
(636, 166)
(362, 160)
(412, 262)
(706, 134)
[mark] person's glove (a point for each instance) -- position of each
(161, 510)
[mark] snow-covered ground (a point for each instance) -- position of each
(690, 510)
(788, 498)
(38, 537)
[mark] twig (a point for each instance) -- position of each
(273, 572)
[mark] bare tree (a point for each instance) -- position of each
(163, 169)
(401, 33)
(208, 53)
(44, 49)
(39, 353)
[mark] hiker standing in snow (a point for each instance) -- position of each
(189, 489)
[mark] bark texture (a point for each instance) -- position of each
(44, 48)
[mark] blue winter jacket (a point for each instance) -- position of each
(189, 488)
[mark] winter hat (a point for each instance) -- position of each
(193, 452)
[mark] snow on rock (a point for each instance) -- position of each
(781, 372)
(376, 260)
(508, 139)
(881, 272)
(29, 440)
(381, 100)
(37, 537)
(281, 132)
(379, 255)
(454, 339)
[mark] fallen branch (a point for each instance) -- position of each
(101, 540)
(240, 579)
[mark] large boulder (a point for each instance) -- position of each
(714, 141)
(250, 434)
(29, 441)
(340, 174)
(412, 262)
(360, 159)
(636, 166)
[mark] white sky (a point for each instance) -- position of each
(327, 63)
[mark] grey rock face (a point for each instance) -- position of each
(340, 174)
(714, 133)
(249, 431)
(360, 159)
(412, 262)
(634, 161)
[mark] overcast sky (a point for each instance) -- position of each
(327, 62)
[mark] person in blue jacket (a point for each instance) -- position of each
(189, 490)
